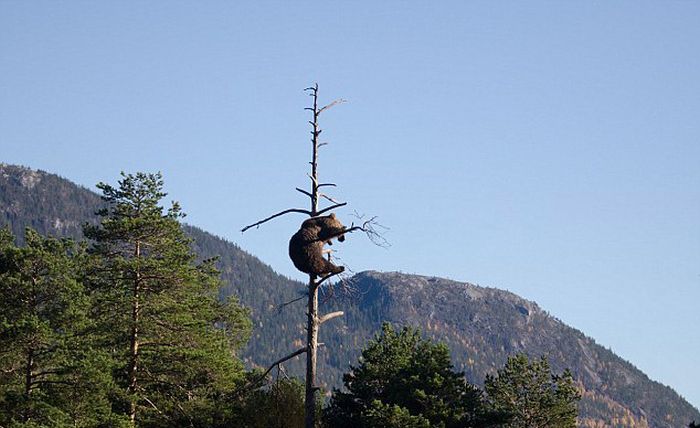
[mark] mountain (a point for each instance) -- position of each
(482, 326)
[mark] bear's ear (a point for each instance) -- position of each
(332, 215)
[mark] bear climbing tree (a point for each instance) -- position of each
(307, 251)
(306, 246)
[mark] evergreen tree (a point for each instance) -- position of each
(50, 375)
(278, 405)
(404, 380)
(532, 395)
(173, 340)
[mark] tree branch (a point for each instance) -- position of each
(154, 406)
(328, 198)
(334, 103)
(332, 207)
(47, 372)
(36, 384)
(277, 363)
(330, 316)
(369, 227)
(283, 305)
(318, 283)
(291, 210)
(312, 177)
(305, 192)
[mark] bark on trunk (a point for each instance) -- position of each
(134, 345)
(312, 344)
(312, 315)
(28, 378)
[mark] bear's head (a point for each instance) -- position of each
(331, 228)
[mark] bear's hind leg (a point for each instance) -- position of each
(331, 268)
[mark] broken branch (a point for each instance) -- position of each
(330, 316)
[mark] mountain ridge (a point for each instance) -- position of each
(485, 327)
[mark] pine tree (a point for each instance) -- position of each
(277, 405)
(532, 395)
(174, 341)
(404, 380)
(50, 373)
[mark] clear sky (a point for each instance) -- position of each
(547, 148)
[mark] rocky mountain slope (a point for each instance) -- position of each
(482, 326)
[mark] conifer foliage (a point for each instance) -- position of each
(158, 310)
(277, 405)
(50, 374)
(532, 395)
(404, 380)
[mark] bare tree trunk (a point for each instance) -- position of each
(314, 156)
(312, 315)
(134, 346)
(29, 368)
(314, 321)
(312, 344)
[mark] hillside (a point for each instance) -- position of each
(482, 326)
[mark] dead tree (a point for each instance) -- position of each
(314, 320)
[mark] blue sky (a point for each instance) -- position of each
(547, 148)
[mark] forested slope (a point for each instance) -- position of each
(482, 326)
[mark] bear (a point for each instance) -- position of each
(306, 246)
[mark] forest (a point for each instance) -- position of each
(126, 328)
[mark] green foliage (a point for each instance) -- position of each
(50, 375)
(383, 415)
(279, 405)
(532, 395)
(157, 309)
(404, 379)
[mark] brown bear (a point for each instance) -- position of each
(306, 246)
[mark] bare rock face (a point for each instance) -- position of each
(46, 202)
(30, 179)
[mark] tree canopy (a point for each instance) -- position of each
(532, 395)
(405, 380)
(172, 339)
(50, 371)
